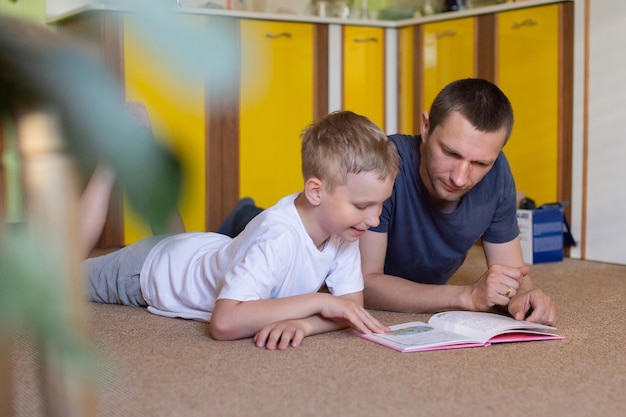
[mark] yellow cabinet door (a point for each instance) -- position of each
(527, 62)
(174, 98)
(448, 55)
(364, 72)
(276, 104)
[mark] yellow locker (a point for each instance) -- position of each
(448, 55)
(364, 72)
(527, 62)
(174, 99)
(276, 104)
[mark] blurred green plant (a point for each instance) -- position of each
(40, 70)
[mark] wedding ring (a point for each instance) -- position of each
(508, 291)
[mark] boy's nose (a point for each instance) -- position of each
(373, 217)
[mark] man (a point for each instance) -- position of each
(454, 187)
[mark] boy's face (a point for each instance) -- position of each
(456, 157)
(350, 209)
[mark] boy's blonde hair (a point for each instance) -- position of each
(343, 143)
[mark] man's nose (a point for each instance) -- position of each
(460, 173)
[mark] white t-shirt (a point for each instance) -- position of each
(274, 257)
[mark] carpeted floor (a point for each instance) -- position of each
(155, 366)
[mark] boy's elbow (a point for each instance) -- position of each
(227, 323)
(222, 330)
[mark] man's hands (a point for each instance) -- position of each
(492, 289)
(342, 312)
(533, 305)
(510, 287)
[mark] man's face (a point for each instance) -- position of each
(455, 158)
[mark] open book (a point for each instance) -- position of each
(460, 329)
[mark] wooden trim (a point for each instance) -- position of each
(585, 156)
(400, 76)
(565, 105)
(3, 180)
(485, 47)
(6, 372)
(384, 86)
(222, 128)
(112, 29)
(113, 44)
(320, 71)
(418, 82)
(343, 66)
(496, 46)
(104, 32)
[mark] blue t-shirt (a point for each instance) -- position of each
(427, 246)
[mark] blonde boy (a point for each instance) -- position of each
(264, 283)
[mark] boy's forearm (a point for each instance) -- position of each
(235, 320)
(317, 324)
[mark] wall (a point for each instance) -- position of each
(599, 197)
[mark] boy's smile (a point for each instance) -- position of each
(350, 209)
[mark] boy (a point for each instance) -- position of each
(264, 283)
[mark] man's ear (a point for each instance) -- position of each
(313, 191)
(425, 125)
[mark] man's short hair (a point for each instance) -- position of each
(481, 102)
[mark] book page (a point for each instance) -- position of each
(415, 336)
(481, 326)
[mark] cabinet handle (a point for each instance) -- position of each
(362, 40)
(278, 35)
(445, 33)
(527, 22)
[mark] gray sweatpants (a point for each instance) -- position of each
(114, 278)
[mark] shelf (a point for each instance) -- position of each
(57, 10)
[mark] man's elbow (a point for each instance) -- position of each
(371, 279)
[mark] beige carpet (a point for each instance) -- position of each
(155, 366)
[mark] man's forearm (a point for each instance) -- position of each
(386, 292)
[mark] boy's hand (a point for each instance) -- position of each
(281, 334)
(342, 309)
(339, 311)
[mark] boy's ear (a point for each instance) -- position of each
(313, 191)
